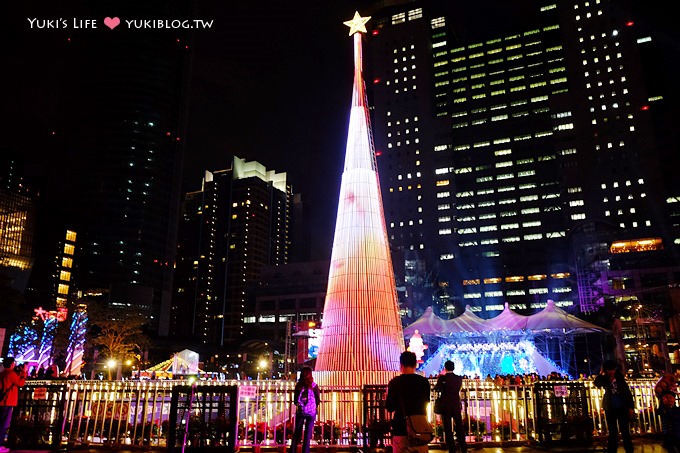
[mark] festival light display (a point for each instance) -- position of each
(362, 334)
(76, 342)
(417, 346)
(23, 344)
(27, 344)
(50, 321)
(497, 356)
(46, 343)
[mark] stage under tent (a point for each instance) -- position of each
(509, 343)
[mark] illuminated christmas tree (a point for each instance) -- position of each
(362, 333)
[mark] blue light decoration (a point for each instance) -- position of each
(46, 343)
(76, 342)
(23, 343)
(27, 344)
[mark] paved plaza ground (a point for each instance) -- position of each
(642, 445)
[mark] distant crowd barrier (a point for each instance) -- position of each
(239, 415)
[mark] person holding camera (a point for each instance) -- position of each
(10, 381)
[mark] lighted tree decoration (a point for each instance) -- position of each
(23, 343)
(76, 341)
(362, 334)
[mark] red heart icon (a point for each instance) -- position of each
(112, 22)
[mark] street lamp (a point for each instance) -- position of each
(109, 365)
(261, 366)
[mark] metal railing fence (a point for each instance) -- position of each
(137, 413)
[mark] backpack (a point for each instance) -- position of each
(306, 406)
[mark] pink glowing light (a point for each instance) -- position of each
(60, 314)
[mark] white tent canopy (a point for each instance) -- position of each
(551, 318)
(467, 322)
(428, 324)
(507, 320)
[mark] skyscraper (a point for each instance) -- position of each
(514, 151)
(237, 223)
(117, 144)
(17, 224)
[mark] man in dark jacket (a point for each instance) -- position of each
(407, 394)
(10, 381)
(618, 405)
(449, 385)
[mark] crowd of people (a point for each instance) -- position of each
(619, 407)
(408, 394)
(46, 372)
(617, 402)
(518, 379)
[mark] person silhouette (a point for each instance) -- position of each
(407, 394)
(306, 397)
(448, 385)
(618, 405)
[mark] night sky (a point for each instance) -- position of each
(274, 84)
(270, 81)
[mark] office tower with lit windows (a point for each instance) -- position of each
(237, 223)
(123, 134)
(64, 266)
(198, 293)
(103, 113)
(517, 151)
(17, 229)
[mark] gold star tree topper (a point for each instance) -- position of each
(357, 24)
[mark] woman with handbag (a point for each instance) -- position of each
(448, 385)
(407, 397)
